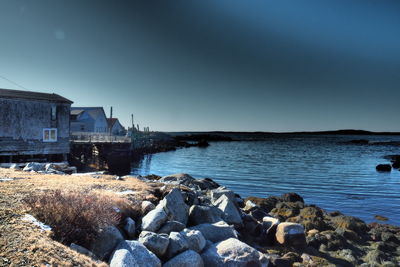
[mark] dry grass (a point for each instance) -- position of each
(24, 244)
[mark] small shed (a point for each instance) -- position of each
(33, 125)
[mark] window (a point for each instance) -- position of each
(49, 135)
(53, 113)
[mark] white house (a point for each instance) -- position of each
(88, 119)
(115, 127)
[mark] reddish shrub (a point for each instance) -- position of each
(75, 217)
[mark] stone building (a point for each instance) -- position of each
(33, 125)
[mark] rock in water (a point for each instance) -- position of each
(177, 244)
(232, 252)
(204, 214)
(133, 253)
(384, 168)
(105, 243)
(156, 243)
(154, 219)
(231, 213)
(291, 235)
(216, 232)
(175, 207)
(189, 258)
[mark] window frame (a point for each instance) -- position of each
(48, 138)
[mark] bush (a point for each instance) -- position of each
(75, 217)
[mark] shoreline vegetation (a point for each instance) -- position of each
(175, 221)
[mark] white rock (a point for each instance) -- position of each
(222, 191)
(123, 258)
(156, 243)
(177, 244)
(195, 239)
(204, 214)
(141, 255)
(175, 207)
(188, 258)
(231, 213)
(216, 232)
(232, 252)
(133, 253)
(153, 220)
(171, 226)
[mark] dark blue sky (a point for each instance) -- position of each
(212, 65)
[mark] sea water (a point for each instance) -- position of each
(325, 170)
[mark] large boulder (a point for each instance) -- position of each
(178, 178)
(204, 184)
(232, 252)
(291, 235)
(133, 253)
(204, 214)
(216, 232)
(106, 241)
(171, 226)
(156, 243)
(177, 244)
(175, 207)
(123, 258)
(130, 228)
(231, 213)
(222, 191)
(195, 239)
(153, 220)
(188, 258)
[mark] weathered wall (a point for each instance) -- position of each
(22, 123)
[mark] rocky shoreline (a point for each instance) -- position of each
(199, 223)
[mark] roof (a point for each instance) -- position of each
(76, 111)
(8, 93)
(93, 112)
(111, 122)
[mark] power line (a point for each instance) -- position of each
(5, 78)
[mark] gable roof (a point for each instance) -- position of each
(8, 93)
(111, 122)
(94, 112)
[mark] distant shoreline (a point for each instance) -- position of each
(334, 132)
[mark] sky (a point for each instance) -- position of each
(186, 65)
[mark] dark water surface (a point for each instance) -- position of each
(324, 170)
